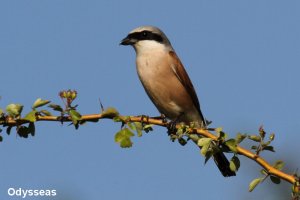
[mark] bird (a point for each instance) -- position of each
(167, 83)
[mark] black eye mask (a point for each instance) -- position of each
(145, 35)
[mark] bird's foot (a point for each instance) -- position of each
(171, 126)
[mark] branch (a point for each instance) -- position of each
(202, 137)
(205, 133)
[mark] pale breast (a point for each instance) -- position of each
(162, 85)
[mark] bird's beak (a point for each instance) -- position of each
(127, 41)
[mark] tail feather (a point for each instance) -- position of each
(223, 164)
(219, 157)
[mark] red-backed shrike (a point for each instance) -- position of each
(166, 82)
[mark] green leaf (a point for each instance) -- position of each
(117, 119)
(204, 141)
(264, 172)
(269, 148)
(275, 179)
(232, 145)
(254, 183)
(255, 138)
(123, 137)
(131, 126)
(295, 189)
(266, 143)
(262, 132)
(1, 138)
(75, 115)
(139, 128)
(194, 137)
(39, 102)
(218, 130)
(234, 164)
(272, 137)
(278, 164)
(46, 112)
(14, 110)
(110, 112)
(56, 107)
(192, 125)
(1, 112)
(240, 137)
(31, 116)
(204, 150)
(180, 131)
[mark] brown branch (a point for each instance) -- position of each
(240, 150)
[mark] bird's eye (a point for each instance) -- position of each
(144, 33)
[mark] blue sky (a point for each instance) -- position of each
(242, 56)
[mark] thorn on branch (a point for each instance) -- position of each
(101, 105)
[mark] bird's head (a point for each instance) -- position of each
(146, 38)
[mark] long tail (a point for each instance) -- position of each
(223, 164)
(219, 157)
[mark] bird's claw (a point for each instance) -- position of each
(171, 126)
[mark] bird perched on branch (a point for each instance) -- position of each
(167, 83)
